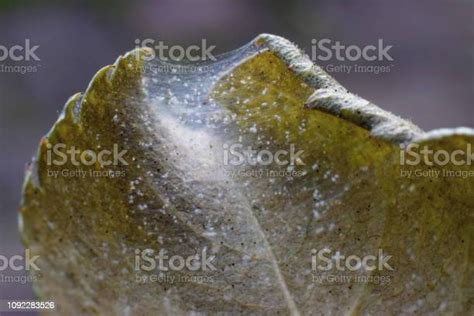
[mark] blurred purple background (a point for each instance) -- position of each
(430, 82)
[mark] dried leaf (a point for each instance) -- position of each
(346, 191)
